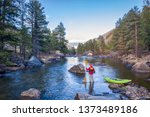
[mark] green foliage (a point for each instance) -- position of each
(80, 48)
(4, 56)
(127, 29)
(72, 51)
(145, 19)
(57, 39)
(37, 24)
(8, 20)
(23, 27)
(97, 46)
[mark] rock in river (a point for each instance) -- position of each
(78, 69)
(31, 94)
(34, 61)
(85, 96)
(115, 86)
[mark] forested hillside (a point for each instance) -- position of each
(131, 34)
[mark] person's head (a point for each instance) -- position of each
(91, 65)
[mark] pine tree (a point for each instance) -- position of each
(80, 49)
(133, 23)
(37, 24)
(127, 34)
(58, 37)
(145, 17)
(8, 21)
(25, 39)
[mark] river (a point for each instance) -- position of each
(56, 83)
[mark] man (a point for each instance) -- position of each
(91, 71)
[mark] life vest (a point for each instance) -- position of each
(91, 69)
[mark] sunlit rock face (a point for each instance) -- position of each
(78, 69)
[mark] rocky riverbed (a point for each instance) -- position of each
(132, 91)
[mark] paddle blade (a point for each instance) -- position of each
(86, 62)
(84, 80)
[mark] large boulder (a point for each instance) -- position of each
(34, 61)
(31, 94)
(146, 58)
(58, 53)
(142, 67)
(78, 69)
(129, 60)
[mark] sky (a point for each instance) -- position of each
(86, 19)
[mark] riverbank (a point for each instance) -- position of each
(136, 64)
(44, 59)
(131, 91)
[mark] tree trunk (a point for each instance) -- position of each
(15, 49)
(1, 43)
(24, 53)
(136, 41)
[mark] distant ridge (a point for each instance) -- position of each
(107, 37)
(73, 44)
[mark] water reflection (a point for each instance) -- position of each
(91, 88)
(55, 82)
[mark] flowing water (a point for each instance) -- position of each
(56, 83)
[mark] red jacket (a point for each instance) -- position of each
(91, 70)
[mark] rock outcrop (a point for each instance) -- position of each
(31, 94)
(132, 91)
(78, 69)
(142, 67)
(139, 65)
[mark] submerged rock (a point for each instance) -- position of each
(115, 86)
(34, 61)
(78, 69)
(85, 96)
(31, 94)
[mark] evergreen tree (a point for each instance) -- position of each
(96, 46)
(25, 39)
(101, 44)
(58, 38)
(37, 24)
(8, 21)
(127, 34)
(145, 17)
(133, 23)
(80, 49)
